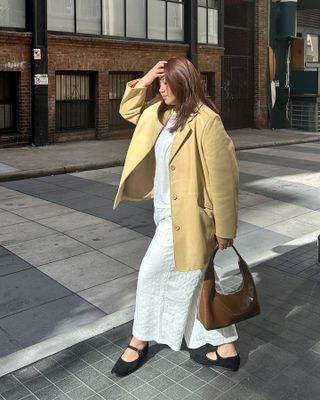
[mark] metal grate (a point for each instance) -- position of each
(305, 116)
(8, 91)
(117, 85)
(74, 101)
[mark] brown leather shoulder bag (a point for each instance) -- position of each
(218, 310)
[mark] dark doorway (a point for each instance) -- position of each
(8, 101)
(237, 64)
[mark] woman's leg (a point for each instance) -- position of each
(197, 336)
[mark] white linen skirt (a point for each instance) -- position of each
(166, 299)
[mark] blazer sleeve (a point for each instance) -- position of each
(132, 102)
(222, 167)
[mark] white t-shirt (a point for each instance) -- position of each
(161, 187)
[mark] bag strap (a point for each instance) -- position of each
(243, 266)
(217, 248)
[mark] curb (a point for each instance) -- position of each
(37, 173)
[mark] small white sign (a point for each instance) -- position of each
(37, 54)
(41, 79)
(277, 83)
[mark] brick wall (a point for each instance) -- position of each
(15, 57)
(69, 53)
(260, 64)
(209, 60)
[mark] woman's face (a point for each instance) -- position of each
(166, 92)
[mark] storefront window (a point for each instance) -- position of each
(13, 14)
(113, 17)
(61, 15)
(136, 18)
(157, 19)
(208, 21)
(140, 19)
(89, 16)
(175, 21)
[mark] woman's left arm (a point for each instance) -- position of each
(223, 171)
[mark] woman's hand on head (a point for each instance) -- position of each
(224, 243)
(155, 72)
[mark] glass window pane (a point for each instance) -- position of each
(312, 48)
(157, 19)
(202, 25)
(60, 15)
(212, 26)
(113, 17)
(175, 22)
(202, 3)
(89, 16)
(212, 3)
(13, 14)
(136, 18)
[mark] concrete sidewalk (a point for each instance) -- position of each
(279, 350)
(68, 272)
(27, 162)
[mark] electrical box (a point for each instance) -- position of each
(297, 54)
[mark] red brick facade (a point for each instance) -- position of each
(261, 64)
(70, 53)
(100, 55)
(15, 58)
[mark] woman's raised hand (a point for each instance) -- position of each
(155, 72)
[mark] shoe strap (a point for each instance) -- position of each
(224, 358)
(134, 348)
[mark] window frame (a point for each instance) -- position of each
(18, 29)
(92, 100)
(219, 8)
(129, 38)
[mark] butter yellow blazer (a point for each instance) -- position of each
(203, 176)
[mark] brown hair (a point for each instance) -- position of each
(185, 83)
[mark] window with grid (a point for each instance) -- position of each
(117, 85)
(8, 101)
(141, 19)
(74, 101)
(13, 14)
(208, 21)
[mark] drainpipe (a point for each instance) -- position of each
(37, 12)
(191, 29)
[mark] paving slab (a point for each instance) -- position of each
(50, 248)
(70, 221)
(21, 232)
(103, 234)
(8, 218)
(51, 319)
(131, 254)
(98, 268)
(112, 296)
(26, 289)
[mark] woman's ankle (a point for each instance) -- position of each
(137, 343)
(227, 349)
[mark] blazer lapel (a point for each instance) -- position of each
(180, 137)
(141, 149)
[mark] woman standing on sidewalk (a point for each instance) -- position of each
(181, 156)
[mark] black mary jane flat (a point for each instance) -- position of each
(123, 368)
(231, 363)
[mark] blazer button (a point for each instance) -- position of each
(177, 227)
(172, 167)
(174, 196)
